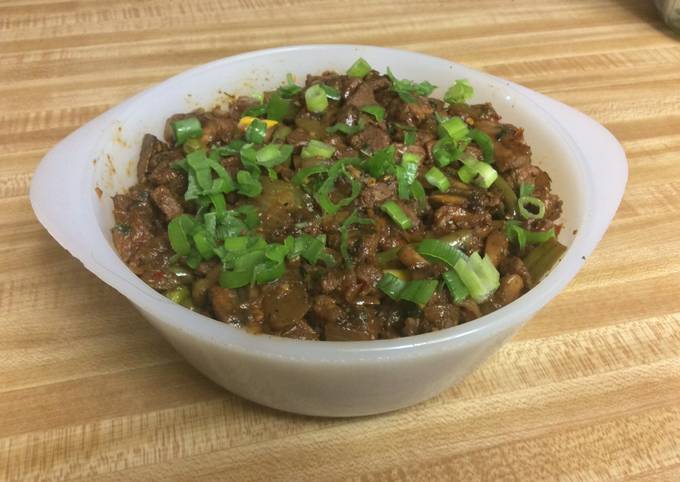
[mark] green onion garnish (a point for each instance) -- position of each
(316, 99)
(479, 276)
(459, 92)
(406, 88)
(248, 185)
(179, 230)
(256, 131)
(526, 189)
(409, 138)
(353, 218)
(204, 244)
(391, 285)
(455, 128)
(457, 288)
(418, 193)
(531, 207)
(479, 173)
(345, 129)
(290, 89)
(406, 173)
(522, 237)
(485, 144)
(331, 92)
(319, 149)
(439, 251)
(381, 162)
(322, 196)
(278, 107)
(359, 68)
(377, 111)
(397, 214)
(437, 178)
(273, 154)
(186, 129)
(419, 291)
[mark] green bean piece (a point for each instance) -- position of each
(541, 259)
(509, 196)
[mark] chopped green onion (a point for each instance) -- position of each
(313, 249)
(236, 243)
(345, 129)
(526, 189)
(457, 288)
(437, 178)
(409, 138)
(407, 173)
(479, 276)
(316, 148)
(186, 129)
(439, 251)
(278, 107)
(256, 131)
(315, 99)
(290, 89)
(193, 260)
(353, 218)
(522, 237)
(455, 128)
(322, 196)
(250, 214)
(479, 173)
(256, 110)
(303, 174)
(266, 272)
(397, 214)
(540, 237)
(235, 279)
(247, 184)
(406, 88)
(485, 144)
(509, 197)
(359, 68)
(331, 92)
(418, 193)
(459, 92)
(231, 149)
(419, 291)
(179, 230)
(204, 244)
(381, 162)
(531, 207)
(273, 154)
(377, 111)
(391, 285)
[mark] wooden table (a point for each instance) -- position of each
(589, 389)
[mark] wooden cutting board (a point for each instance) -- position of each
(589, 389)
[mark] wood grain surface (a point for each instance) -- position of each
(588, 390)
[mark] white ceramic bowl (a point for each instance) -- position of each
(586, 163)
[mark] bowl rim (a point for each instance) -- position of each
(262, 345)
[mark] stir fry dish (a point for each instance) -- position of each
(353, 207)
